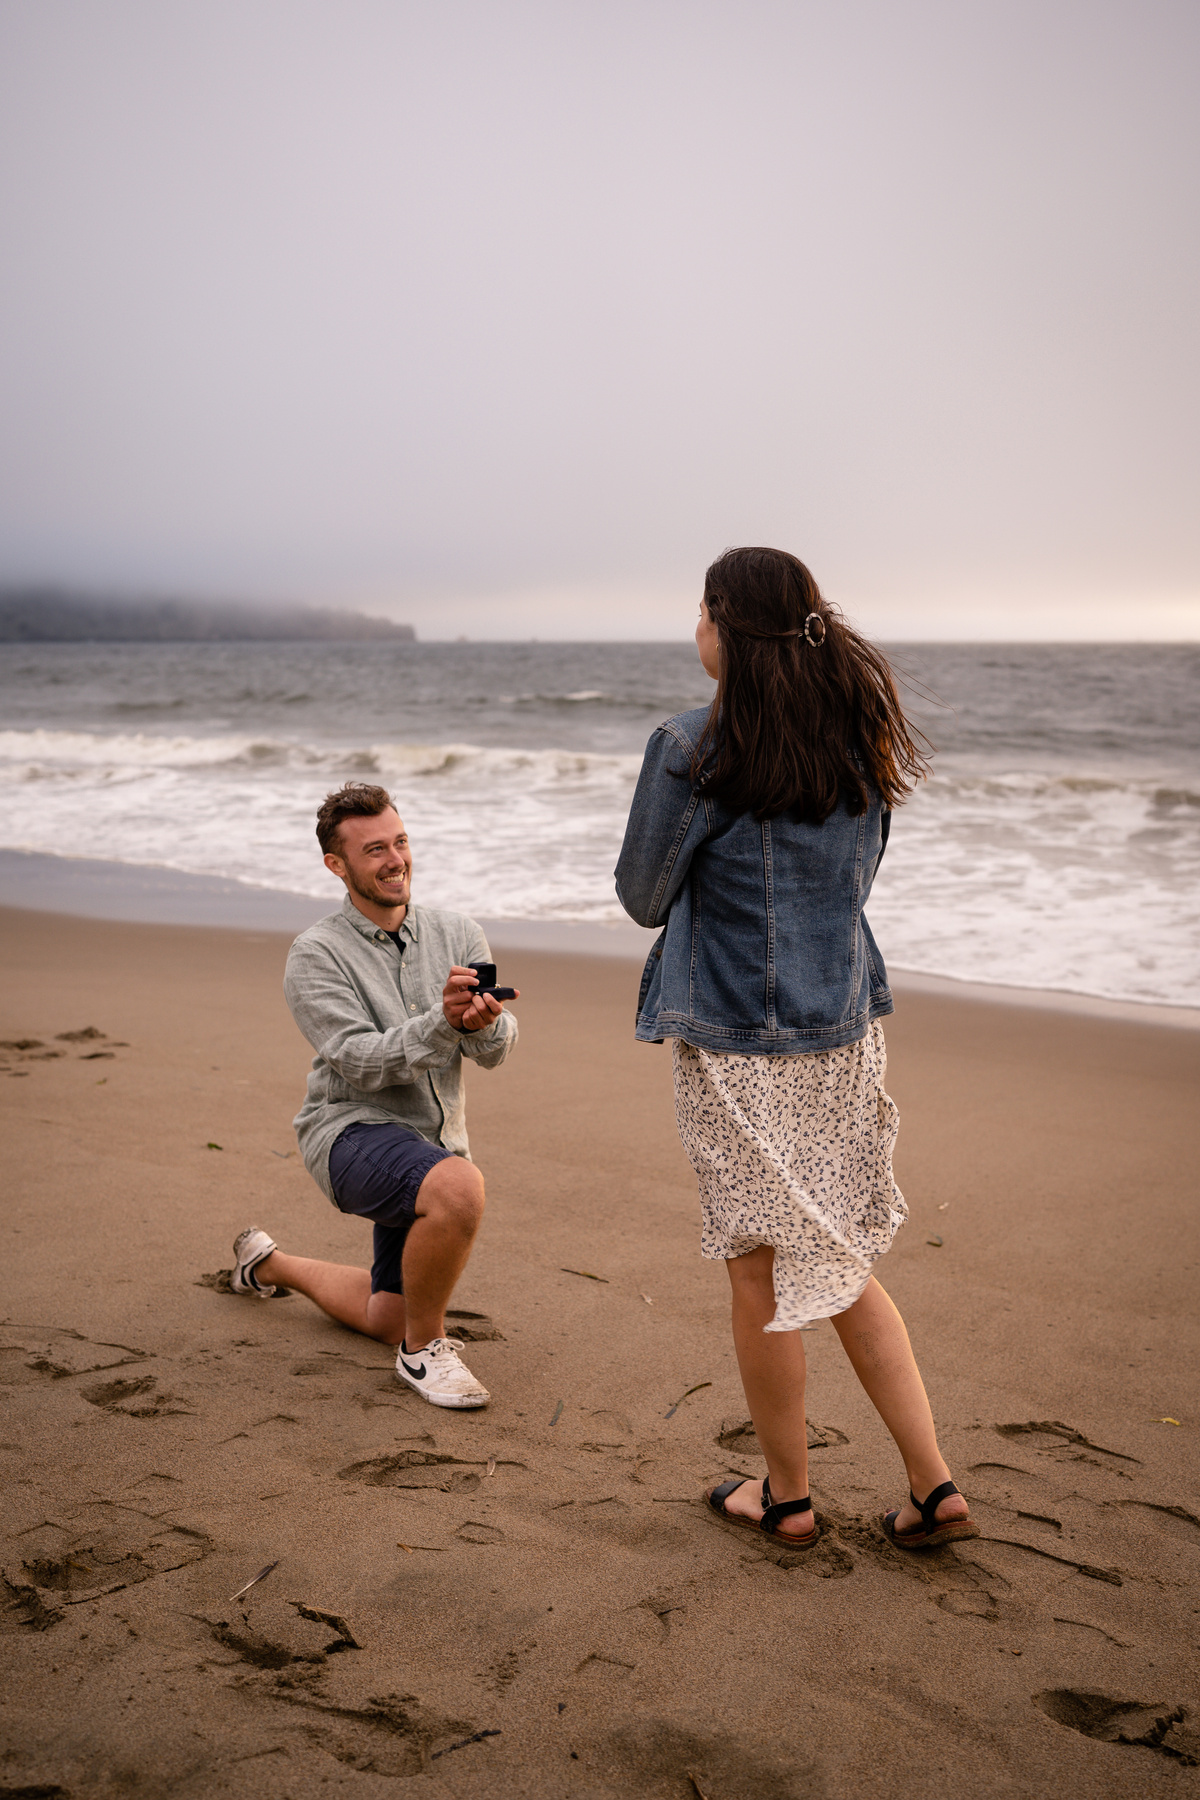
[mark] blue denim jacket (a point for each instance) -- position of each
(765, 949)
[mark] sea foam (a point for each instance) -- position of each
(1078, 882)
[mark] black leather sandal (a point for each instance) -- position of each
(773, 1511)
(930, 1532)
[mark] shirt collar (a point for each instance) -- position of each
(361, 923)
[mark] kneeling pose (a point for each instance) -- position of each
(383, 992)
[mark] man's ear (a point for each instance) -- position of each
(336, 866)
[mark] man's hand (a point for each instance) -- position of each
(463, 1007)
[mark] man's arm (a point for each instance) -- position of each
(327, 1007)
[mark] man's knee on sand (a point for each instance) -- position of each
(452, 1194)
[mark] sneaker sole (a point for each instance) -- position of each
(458, 1403)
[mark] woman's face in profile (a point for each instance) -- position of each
(706, 641)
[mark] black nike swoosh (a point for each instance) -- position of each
(417, 1374)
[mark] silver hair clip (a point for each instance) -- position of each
(816, 642)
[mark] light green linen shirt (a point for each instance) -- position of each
(385, 1054)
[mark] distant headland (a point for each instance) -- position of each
(54, 616)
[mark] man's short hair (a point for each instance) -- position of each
(356, 800)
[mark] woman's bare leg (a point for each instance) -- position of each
(772, 1370)
(874, 1338)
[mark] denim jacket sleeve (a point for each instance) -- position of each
(668, 821)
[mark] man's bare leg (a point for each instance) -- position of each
(340, 1290)
(449, 1207)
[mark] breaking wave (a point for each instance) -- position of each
(1071, 879)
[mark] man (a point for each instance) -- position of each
(382, 992)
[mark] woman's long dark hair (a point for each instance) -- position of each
(806, 714)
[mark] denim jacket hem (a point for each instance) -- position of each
(794, 1042)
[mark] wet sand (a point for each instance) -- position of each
(574, 1624)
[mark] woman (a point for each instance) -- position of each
(754, 837)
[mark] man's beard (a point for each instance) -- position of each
(378, 896)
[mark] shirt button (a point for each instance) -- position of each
(412, 1007)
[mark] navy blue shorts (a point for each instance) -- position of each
(375, 1172)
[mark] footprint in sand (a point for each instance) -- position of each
(421, 1469)
(1173, 1521)
(1152, 1725)
(969, 1592)
(54, 1353)
(118, 1396)
(474, 1531)
(1050, 1437)
(106, 1549)
(472, 1327)
(392, 1735)
(738, 1435)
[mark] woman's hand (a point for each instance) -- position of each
(463, 1007)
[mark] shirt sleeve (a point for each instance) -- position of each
(325, 1004)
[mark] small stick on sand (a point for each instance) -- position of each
(683, 1397)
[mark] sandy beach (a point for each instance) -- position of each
(532, 1600)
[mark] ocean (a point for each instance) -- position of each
(1055, 846)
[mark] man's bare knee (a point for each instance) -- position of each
(453, 1191)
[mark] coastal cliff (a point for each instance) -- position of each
(52, 615)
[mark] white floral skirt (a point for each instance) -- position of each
(795, 1152)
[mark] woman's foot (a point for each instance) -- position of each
(952, 1507)
(745, 1502)
(939, 1518)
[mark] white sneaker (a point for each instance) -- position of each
(250, 1247)
(439, 1376)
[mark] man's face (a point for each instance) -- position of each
(375, 860)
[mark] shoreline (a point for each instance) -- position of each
(137, 893)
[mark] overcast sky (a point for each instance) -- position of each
(505, 317)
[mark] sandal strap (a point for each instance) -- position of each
(774, 1510)
(928, 1507)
